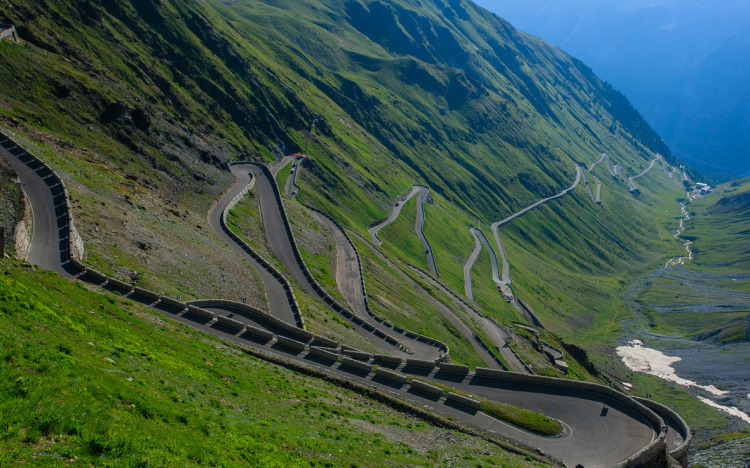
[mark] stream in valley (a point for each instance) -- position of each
(716, 372)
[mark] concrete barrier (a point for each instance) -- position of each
(466, 401)
(347, 361)
(304, 335)
(425, 387)
(387, 359)
(290, 343)
(323, 341)
(121, 285)
(390, 375)
(315, 351)
(420, 363)
(146, 293)
(678, 453)
(358, 355)
(201, 312)
(77, 264)
(230, 322)
(91, 273)
(255, 331)
(446, 366)
(172, 302)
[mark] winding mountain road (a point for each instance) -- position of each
(505, 281)
(602, 427)
(469, 264)
(276, 294)
(421, 192)
(630, 179)
(281, 240)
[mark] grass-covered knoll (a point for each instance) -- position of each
(89, 378)
(534, 422)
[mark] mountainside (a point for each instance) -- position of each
(139, 105)
(689, 84)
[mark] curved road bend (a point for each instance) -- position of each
(278, 302)
(468, 287)
(275, 168)
(465, 331)
(506, 275)
(630, 179)
(419, 228)
(279, 239)
(392, 216)
(292, 189)
(49, 238)
(593, 439)
(593, 165)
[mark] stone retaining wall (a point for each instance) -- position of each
(258, 332)
(358, 355)
(145, 293)
(126, 288)
(315, 351)
(91, 273)
(179, 305)
(390, 375)
(444, 366)
(679, 453)
(420, 363)
(387, 359)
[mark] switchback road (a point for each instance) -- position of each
(602, 427)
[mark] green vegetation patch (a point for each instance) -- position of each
(530, 420)
(94, 379)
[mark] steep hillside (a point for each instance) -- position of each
(140, 105)
(100, 380)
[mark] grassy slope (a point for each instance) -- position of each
(379, 124)
(491, 129)
(105, 381)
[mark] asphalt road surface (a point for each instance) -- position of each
(630, 179)
(278, 302)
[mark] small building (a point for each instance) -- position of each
(702, 188)
(8, 32)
